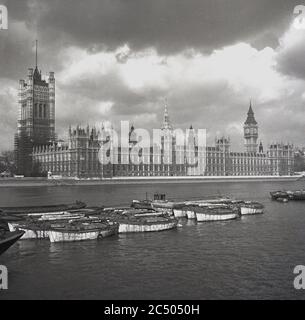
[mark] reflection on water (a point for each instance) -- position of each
(252, 257)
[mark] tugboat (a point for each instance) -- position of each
(7, 239)
(159, 203)
(143, 204)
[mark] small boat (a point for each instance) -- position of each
(215, 213)
(43, 209)
(63, 216)
(297, 195)
(279, 194)
(284, 200)
(147, 203)
(250, 207)
(37, 226)
(7, 239)
(147, 224)
(140, 220)
(81, 231)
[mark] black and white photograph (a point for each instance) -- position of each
(152, 150)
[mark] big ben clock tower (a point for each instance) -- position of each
(251, 132)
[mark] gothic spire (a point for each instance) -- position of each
(250, 117)
(36, 60)
(37, 74)
(166, 122)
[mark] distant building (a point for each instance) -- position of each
(37, 151)
(36, 118)
(78, 157)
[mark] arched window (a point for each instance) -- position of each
(35, 110)
(40, 111)
(45, 111)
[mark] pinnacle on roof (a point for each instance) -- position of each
(166, 122)
(250, 117)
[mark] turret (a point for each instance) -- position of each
(166, 121)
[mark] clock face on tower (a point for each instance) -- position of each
(247, 130)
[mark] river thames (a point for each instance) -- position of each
(249, 258)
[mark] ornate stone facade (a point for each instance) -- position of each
(36, 118)
(79, 156)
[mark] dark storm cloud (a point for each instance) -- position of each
(170, 25)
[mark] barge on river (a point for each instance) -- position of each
(282, 195)
(251, 207)
(216, 213)
(134, 220)
(80, 231)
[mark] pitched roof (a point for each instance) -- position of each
(250, 117)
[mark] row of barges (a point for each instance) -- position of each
(76, 222)
(204, 210)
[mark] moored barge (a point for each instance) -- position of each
(215, 213)
(80, 231)
(297, 195)
(133, 220)
(250, 207)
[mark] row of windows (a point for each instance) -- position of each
(40, 111)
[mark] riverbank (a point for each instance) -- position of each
(38, 182)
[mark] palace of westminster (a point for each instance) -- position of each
(38, 152)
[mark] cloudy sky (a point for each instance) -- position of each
(119, 59)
